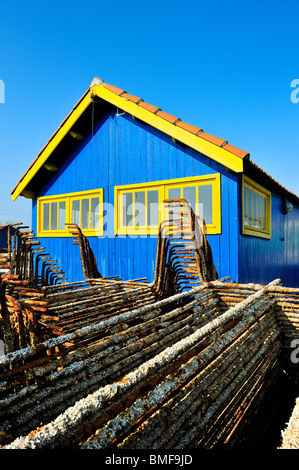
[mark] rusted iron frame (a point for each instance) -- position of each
(18, 247)
(106, 309)
(265, 334)
(38, 258)
(25, 247)
(201, 418)
(71, 381)
(88, 261)
(131, 378)
(157, 428)
(52, 272)
(95, 296)
(197, 432)
(119, 426)
(7, 330)
(9, 248)
(73, 323)
(93, 371)
(181, 231)
(197, 236)
(23, 253)
(28, 253)
(24, 238)
(243, 398)
(9, 362)
(97, 308)
(240, 407)
(32, 271)
(21, 355)
(44, 272)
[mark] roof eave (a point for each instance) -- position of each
(220, 154)
(53, 142)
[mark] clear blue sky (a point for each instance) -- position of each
(226, 67)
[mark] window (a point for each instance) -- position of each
(256, 209)
(84, 209)
(140, 208)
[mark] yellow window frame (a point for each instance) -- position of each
(163, 187)
(258, 216)
(119, 192)
(69, 198)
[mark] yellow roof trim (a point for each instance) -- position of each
(212, 151)
(58, 136)
(218, 154)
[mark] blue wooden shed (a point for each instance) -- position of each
(113, 161)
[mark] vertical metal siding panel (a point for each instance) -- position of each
(144, 242)
(188, 162)
(263, 260)
(108, 251)
(110, 196)
(233, 227)
(180, 162)
(224, 260)
(205, 168)
(118, 180)
(136, 134)
(127, 259)
(196, 165)
(34, 216)
(158, 157)
(173, 161)
(151, 176)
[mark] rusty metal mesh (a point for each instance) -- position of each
(104, 363)
(178, 372)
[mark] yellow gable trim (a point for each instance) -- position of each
(50, 147)
(218, 154)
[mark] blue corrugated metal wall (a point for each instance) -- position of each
(124, 151)
(262, 260)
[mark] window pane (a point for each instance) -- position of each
(255, 207)
(245, 205)
(189, 193)
(250, 204)
(84, 213)
(53, 215)
(174, 193)
(260, 221)
(94, 212)
(205, 198)
(139, 208)
(153, 207)
(46, 215)
(76, 212)
(61, 219)
(128, 209)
